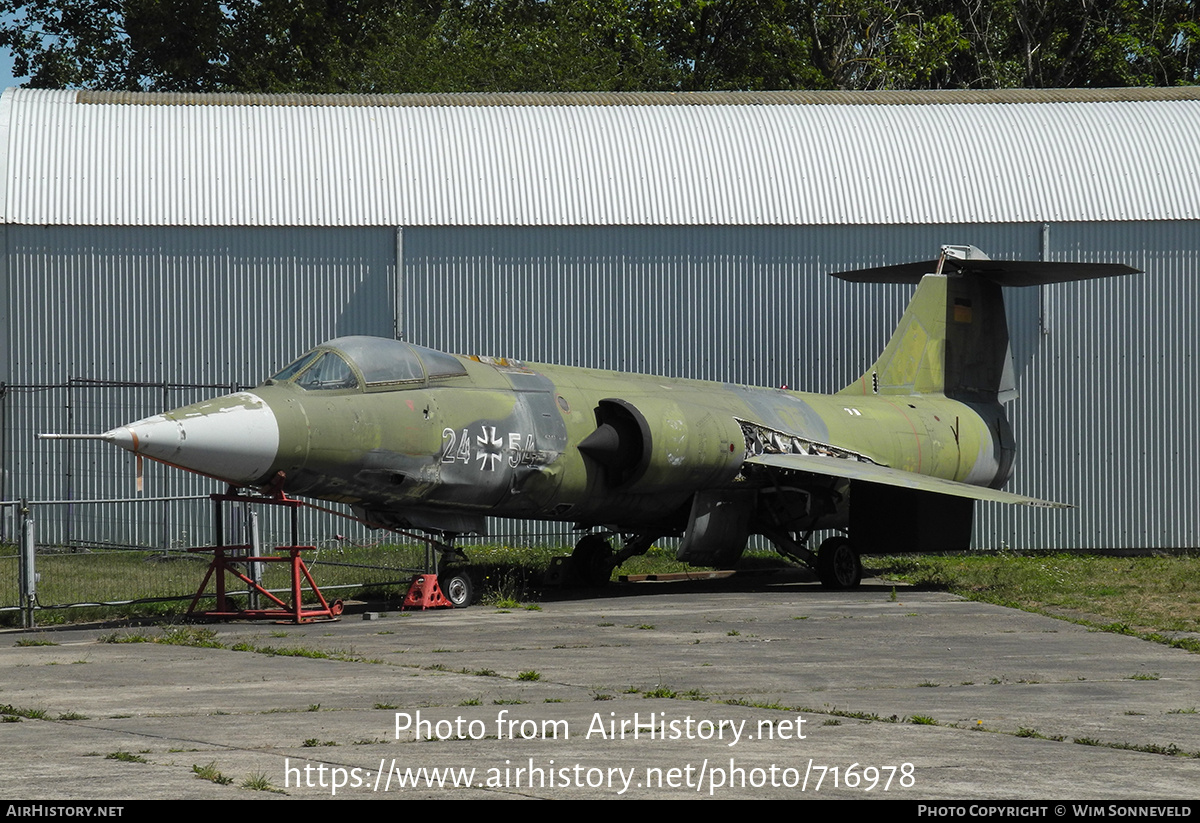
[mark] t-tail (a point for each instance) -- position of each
(953, 337)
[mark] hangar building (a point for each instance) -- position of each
(159, 248)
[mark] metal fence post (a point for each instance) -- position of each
(28, 569)
(255, 569)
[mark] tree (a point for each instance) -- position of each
(1002, 43)
(198, 45)
(881, 44)
(619, 45)
(525, 45)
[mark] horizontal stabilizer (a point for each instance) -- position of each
(1001, 272)
(873, 473)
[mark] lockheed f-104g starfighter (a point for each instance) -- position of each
(419, 439)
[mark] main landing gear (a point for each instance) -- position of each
(838, 565)
(456, 585)
(590, 565)
(592, 562)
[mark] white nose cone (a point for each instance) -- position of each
(233, 438)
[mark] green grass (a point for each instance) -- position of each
(209, 772)
(511, 575)
(1025, 731)
(126, 757)
(114, 575)
(508, 576)
(661, 692)
(8, 710)
(206, 638)
(125, 637)
(1142, 596)
(258, 782)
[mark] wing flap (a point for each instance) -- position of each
(873, 473)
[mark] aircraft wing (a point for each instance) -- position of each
(873, 473)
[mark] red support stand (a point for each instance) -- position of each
(226, 559)
(222, 564)
(425, 593)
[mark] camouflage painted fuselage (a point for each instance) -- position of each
(502, 439)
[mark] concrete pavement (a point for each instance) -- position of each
(764, 688)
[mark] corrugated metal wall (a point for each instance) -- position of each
(1109, 396)
(1106, 369)
(107, 325)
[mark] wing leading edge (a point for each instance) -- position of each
(873, 473)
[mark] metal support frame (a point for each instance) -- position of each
(226, 560)
(224, 563)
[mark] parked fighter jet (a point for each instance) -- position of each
(415, 438)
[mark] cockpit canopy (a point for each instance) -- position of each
(374, 363)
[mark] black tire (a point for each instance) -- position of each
(456, 585)
(591, 562)
(838, 564)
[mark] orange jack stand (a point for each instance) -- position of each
(222, 564)
(425, 593)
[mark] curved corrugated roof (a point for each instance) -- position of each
(652, 98)
(754, 158)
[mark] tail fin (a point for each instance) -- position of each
(953, 337)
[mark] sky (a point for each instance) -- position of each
(6, 71)
(6, 66)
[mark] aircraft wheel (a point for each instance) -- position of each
(591, 561)
(458, 588)
(838, 565)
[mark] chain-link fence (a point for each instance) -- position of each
(40, 575)
(46, 575)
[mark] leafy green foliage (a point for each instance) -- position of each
(374, 46)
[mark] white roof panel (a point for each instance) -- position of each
(85, 158)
